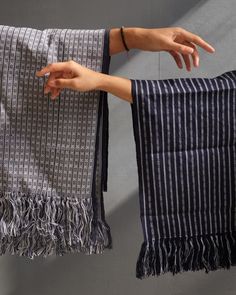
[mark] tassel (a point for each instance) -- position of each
(176, 255)
(38, 224)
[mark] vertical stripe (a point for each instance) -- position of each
(183, 160)
(232, 201)
(153, 192)
(40, 91)
(6, 106)
(162, 142)
(136, 107)
(147, 162)
(156, 168)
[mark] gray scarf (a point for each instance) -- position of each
(53, 153)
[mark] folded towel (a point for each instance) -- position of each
(185, 138)
(53, 153)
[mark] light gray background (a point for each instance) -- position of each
(114, 272)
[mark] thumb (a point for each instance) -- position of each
(180, 48)
(62, 83)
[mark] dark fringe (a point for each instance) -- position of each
(39, 224)
(176, 255)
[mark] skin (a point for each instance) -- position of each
(178, 42)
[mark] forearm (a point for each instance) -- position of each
(118, 86)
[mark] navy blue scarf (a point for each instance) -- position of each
(185, 136)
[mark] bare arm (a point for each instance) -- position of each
(178, 42)
(116, 44)
(118, 86)
(72, 75)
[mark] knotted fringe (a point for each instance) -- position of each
(177, 255)
(39, 224)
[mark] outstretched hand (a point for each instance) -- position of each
(176, 41)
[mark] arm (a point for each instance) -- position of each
(116, 44)
(178, 42)
(74, 76)
(118, 86)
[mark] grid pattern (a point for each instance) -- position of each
(45, 145)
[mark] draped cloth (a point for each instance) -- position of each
(185, 141)
(53, 153)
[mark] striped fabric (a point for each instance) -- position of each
(53, 153)
(185, 138)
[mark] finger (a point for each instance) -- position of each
(68, 75)
(181, 48)
(177, 58)
(198, 40)
(55, 93)
(63, 83)
(55, 67)
(52, 77)
(195, 54)
(187, 61)
(47, 89)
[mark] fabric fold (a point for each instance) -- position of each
(53, 154)
(185, 139)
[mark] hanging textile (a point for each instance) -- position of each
(185, 139)
(53, 153)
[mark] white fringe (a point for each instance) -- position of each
(36, 224)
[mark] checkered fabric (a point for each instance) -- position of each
(53, 153)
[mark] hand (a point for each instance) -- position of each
(70, 75)
(176, 41)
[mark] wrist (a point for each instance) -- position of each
(118, 86)
(101, 81)
(133, 36)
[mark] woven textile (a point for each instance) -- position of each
(53, 153)
(185, 138)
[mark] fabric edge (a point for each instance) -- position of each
(100, 226)
(209, 253)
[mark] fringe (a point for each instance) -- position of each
(177, 255)
(38, 224)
